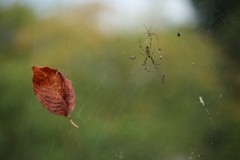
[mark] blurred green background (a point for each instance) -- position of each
(123, 111)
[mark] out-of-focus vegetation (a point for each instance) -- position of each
(121, 109)
(220, 19)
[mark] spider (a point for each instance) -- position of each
(148, 55)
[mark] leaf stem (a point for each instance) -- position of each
(70, 119)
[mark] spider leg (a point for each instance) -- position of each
(150, 43)
(153, 51)
(146, 69)
(149, 36)
(155, 64)
(141, 45)
(148, 30)
(145, 61)
(141, 53)
(154, 34)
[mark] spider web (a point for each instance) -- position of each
(186, 108)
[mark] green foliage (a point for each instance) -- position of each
(11, 21)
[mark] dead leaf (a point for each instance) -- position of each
(54, 91)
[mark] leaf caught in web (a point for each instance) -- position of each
(54, 91)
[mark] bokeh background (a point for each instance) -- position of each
(123, 111)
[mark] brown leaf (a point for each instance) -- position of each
(54, 91)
